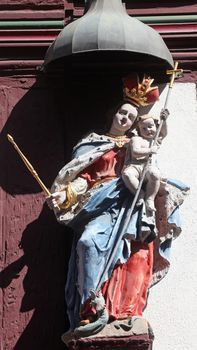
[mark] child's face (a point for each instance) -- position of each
(147, 128)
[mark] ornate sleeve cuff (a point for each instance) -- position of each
(75, 188)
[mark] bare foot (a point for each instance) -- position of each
(150, 205)
(84, 322)
(140, 200)
(88, 320)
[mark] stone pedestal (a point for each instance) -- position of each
(119, 335)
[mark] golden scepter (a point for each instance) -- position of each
(29, 166)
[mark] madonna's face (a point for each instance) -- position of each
(124, 117)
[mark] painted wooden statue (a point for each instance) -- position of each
(95, 192)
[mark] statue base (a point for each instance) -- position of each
(133, 334)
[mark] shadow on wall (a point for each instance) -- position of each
(46, 122)
(37, 124)
(46, 247)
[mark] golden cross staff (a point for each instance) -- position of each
(29, 166)
(123, 227)
(173, 73)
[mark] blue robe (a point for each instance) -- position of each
(98, 225)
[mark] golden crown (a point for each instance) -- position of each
(140, 93)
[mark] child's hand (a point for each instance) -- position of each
(164, 114)
(154, 149)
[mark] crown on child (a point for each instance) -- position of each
(140, 93)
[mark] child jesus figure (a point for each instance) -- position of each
(139, 149)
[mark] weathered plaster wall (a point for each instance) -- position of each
(173, 302)
(33, 247)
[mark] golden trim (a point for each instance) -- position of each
(118, 140)
(71, 197)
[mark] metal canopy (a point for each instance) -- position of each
(107, 32)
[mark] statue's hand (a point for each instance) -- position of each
(164, 114)
(56, 199)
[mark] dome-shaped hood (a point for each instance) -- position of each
(107, 28)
